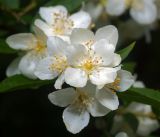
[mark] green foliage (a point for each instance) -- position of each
(4, 48)
(126, 51)
(143, 95)
(12, 5)
(20, 82)
(129, 66)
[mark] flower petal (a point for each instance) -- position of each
(116, 7)
(103, 75)
(44, 27)
(13, 67)
(108, 98)
(97, 110)
(75, 120)
(126, 80)
(105, 50)
(62, 97)
(110, 33)
(59, 82)
(116, 60)
(75, 77)
(121, 134)
(76, 54)
(48, 13)
(22, 41)
(81, 19)
(144, 11)
(44, 71)
(28, 65)
(80, 36)
(56, 46)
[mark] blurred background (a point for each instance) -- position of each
(28, 113)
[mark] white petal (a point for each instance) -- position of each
(80, 36)
(108, 98)
(103, 75)
(56, 46)
(75, 77)
(126, 80)
(28, 65)
(13, 67)
(42, 38)
(62, 97)
(59, 82)
(97, 110)
(105, 50)
(48, 13)
(81, 19)
(44, 27)
(110, 33)
(75, 120)
(116, 7)
(121, 134)
(139, 84)
(43, 70)
(22, 41)
(90, 89)
(76, 55)
(116, 60)
(143, 11)
(146, 126)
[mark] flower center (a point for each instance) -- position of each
(91, 63)
(62, 24)
(60, 63)
(39, 48)
(83, 100)
(115, 85)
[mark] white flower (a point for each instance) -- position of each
(55, 63)
(13, 67)
(58, 23)
(121, 134)
(34, 47)
(94, 9)
(81, 102)
(142, 11)
(92, 57)
(146, 124)
(123, 81)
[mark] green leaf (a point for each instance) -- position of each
(129, 66)
(12, 4)
(4, 48)
(71, 5)
(20, 82)
(142, 95)
(125, 52)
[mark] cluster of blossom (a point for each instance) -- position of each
(142, 11)
(146, 118)
(63, 48)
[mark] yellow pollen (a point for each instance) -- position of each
(59, 64)
(82, 100)
(62, 24)
(115, 85)
(128, 3)
(39, 48)
(88, 65)
(88, 43)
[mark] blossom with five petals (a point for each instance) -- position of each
(58, 23)
(34, 48)
(92, 57)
